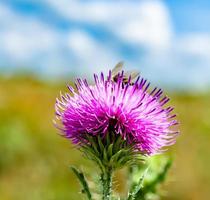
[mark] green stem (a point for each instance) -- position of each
(106, 180)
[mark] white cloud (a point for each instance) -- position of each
(25, 43)
(150, 27)
(28, 42)
(140, 22)
(22, 38)
(92, 55)
(172, 59)
(195, 44)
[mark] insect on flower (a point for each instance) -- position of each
(118, 105)
(118, 68)
(116, 121)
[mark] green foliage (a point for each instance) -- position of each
(136, 187)
(150, 178)
(151, 187)
(83, 182)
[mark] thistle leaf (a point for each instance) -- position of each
(83, 182)
(135, 189)
(151, 186)
(160, 177)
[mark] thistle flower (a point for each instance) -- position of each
(113, 108)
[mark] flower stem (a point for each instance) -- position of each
(106, 180)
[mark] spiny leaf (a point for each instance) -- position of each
(152, 185)
(135, 189)
(160, 177)
(83, 182)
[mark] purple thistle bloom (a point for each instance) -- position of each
(128, 109)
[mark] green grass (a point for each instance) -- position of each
(34, 159)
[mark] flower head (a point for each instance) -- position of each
(122, 108)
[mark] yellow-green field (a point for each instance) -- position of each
(34, 159)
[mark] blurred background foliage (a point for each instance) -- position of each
(34, 161)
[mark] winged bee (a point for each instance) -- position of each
(118, 68)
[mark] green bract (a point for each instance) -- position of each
(110, 152)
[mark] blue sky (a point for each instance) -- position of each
(168, 41)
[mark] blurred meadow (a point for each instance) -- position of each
(35, 160)
(45, 45)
